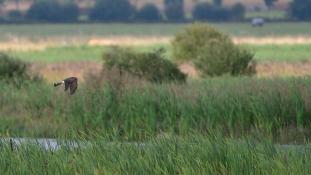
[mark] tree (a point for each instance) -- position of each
(270, 3)
(217, 2)
(53, 11)
(149, 12)
(112, 10)
(300, 9)
(238, 11)
(206, 11)
(174, 10)
(45, 11)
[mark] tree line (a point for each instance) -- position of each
(124, 11)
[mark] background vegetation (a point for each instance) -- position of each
(125, 10)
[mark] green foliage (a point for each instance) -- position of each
(11, 68)
(300, 9)
(52, 11)
(150, 66)
(116, 10)
(174, 10)
(149, 13)
(212, 52)
(14, 71)
(274, 108)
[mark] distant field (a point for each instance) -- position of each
(62, 31)
(271, 14)
(286, 53)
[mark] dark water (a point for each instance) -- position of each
(46, 143)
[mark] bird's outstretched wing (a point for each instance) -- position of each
(73, 87)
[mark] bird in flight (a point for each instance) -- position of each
(71, 83)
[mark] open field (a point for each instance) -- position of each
(87, 31)
(57, 62)
(298, 52)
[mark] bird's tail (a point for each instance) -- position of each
(58, 83)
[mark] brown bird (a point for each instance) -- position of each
(71, 83)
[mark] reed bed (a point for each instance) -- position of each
(271, 107)
(171, 155)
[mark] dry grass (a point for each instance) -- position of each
(23, 44)
(273, 40)
(270, 69)
(57, 71)
(129, 41)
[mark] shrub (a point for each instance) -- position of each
(206, 11)
(15, 71)
(149, 12)
(212, 52)
(150, 66)
(52, 11)
(174, 10)
(11, 67)
(116, 10)
(300, 9)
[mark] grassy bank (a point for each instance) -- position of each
(275, 108)
(193, 155)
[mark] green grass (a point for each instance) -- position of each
(232, 106)
(288, 53)
(298, 52)
(269, 14)
(42, 31)
(193, 155)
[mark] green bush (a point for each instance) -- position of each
(212, 52)
(150, 66)
(15, 71)
(11, 68)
